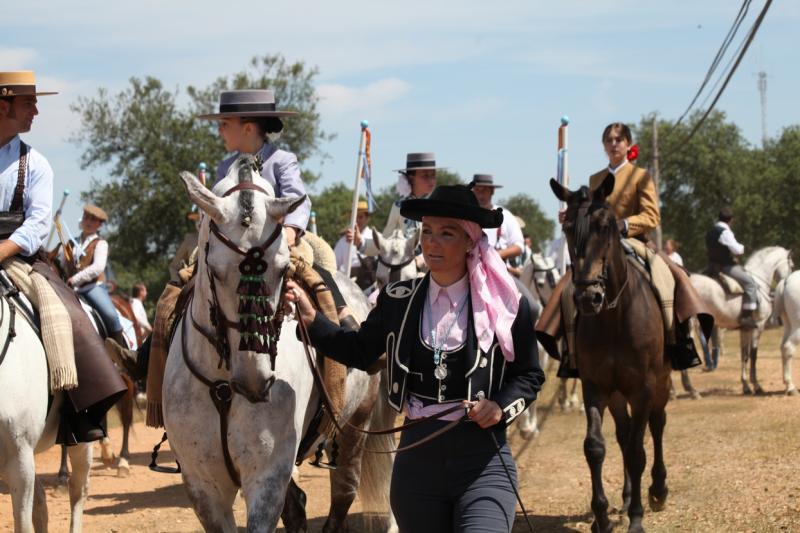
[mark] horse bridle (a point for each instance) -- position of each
(581, 239)
(221, 391)
(395, 269)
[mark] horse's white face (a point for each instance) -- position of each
(248, 219)
(396, 255)
(545, 275)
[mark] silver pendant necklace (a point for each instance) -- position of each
(440, 372)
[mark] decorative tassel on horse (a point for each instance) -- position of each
(255, 312)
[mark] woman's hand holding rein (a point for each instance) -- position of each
(305, 311)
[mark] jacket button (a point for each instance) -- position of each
(443, 387)
(483, 362)
(395, 387)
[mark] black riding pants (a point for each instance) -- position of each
(454, 483)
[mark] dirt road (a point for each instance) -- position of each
(733, 465)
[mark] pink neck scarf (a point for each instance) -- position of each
(495, 298)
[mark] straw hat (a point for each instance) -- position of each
(96, 212)
(20, 83)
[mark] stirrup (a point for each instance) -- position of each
(317, 462)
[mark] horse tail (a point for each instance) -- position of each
(778, 305)
(125, 404)
(376, 468)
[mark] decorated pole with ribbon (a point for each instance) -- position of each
(57, 219)
(362, 171)
(562, 176)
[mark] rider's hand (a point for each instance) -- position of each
(305, 310)
(485, 413)
(350, 237)
(70, 282)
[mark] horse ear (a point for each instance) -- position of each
(607, 187)
(202, 197)
(561, 192)
(411, 243)
(277, 208)
(377, 238)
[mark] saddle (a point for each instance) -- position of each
(728, 284)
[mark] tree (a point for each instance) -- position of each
(332, 210)
(537, 225)
(141, 138)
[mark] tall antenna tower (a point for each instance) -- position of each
(762, 88)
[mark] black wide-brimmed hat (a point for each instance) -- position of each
(247, 103)
(452, 201)
(420, 161)
(484, 180)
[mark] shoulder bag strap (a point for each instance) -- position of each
(16, 202)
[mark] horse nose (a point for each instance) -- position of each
(597, 298)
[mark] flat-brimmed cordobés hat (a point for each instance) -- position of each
(420, 161)
(247, 103)
(96, 212)
(452, 201)
(20, 83)
(484, 180)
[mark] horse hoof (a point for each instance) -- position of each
(696, 395)
(123, 469)
(792, 392)
(597, 528)
(747, 391)
(760, 391)
(657, 504)
(62, 487)
(529, 434)
(108, 462)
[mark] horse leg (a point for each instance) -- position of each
(594, 448)
(634, 456)
(574, 401)
(788, 347)
(756, 337)
(744, 345)
(80, 456)
(622, 425)
(20, 475)
(716, 351)
(63, 471)
(264, 497)
(212, 505)
(40, 517)
(688, 386)
(562, 395)
(125, 408)
(529, 422)
(657, 493)
(107, 452)
(294, 509)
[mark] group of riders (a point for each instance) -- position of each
(475, 319)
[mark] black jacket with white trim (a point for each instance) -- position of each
(392, 327)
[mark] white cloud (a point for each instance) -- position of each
(17, 58)
(337, 100)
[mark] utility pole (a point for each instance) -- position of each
(656, 177)
(762, 88)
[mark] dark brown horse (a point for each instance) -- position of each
(620, 351)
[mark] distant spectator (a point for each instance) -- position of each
(671, 249)
(139, 293)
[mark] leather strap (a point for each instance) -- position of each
(19, 190)
(235, 247)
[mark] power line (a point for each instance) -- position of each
(751, 35)
(737, 22)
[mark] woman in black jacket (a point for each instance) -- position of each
(460, 335)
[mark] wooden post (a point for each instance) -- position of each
(353, 213)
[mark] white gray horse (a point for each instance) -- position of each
(396, 256)
(766, 266)
(787, 306)
(27, 427)
(272, 398)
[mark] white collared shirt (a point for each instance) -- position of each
(616, 169)
(508, 234)
(728, 239)
(37, 200)
(340, 250)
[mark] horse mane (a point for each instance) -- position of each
(246, 167)
(761, 256)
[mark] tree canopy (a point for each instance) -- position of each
(720, 168)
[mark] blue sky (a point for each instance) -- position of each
(483, 84)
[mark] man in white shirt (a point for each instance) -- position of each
(139, 295)
(360, 264)
(723, 250)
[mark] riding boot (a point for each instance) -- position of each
(124, 357)
(76, 427)
(683, 354)
(747, 320)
